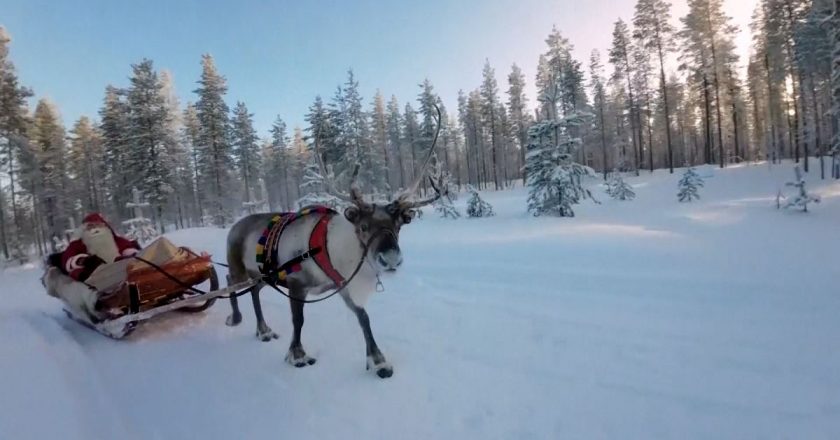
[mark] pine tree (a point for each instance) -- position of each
(246, 153)
(489, 111)
(379, 134)
(43, 171)
(653, 29)
(554, 179)
(149, 136)
(618, 189)
(13, 122)
(428, 100)
(444, 205)
(476, 206)
(802, 197)
(411, 140)
(114, 129)
(620, 55)
(85, 164)
(599, 100)
(313, 187)
(395, 143)
(190, 139)
(182, 203)
(520, 119)
(215, 151)
(689, 185)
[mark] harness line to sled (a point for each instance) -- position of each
(267, 277)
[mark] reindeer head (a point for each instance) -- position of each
(378, 225)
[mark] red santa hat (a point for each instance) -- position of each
(94, 218)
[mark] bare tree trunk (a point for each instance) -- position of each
(635, 120)
(3, 239)
(818, 125)
(603, 134)
(667, 110)
(804, 115)
(774, 135)
(707, 115)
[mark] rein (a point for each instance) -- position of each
(266, 278)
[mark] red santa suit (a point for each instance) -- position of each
(98, 245)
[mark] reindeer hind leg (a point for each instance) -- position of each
(264, 332)
(235, 317)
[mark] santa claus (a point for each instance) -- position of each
(98, 245)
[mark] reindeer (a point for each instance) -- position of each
(361, 243)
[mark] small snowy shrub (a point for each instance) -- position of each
(688, 186)
(141, 230)
(618, 189)
(802, 198)
(476, 206)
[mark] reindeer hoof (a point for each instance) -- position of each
(233, 319)
(385, 372)
(266, 336)
(300, 361)
(383, 369)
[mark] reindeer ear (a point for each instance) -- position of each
(352, 214)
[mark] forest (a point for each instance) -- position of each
(669, 92)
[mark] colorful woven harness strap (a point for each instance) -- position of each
(268, 242)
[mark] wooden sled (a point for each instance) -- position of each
(151, 290)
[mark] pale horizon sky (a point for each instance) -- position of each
(278, 55)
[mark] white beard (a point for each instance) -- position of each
(100, 242)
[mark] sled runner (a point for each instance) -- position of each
(144, 289)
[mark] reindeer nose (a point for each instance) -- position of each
(389, 261)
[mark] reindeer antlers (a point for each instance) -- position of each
(403, 199)
(412, 188)
(355, 195)
(406, 204)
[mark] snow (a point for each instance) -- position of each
(643, 319)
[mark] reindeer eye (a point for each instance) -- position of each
(364, 227)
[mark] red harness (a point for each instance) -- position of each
(276, 273)
(318, 240)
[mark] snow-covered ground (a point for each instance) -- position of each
(644, 319)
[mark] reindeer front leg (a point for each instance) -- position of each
(375, 358)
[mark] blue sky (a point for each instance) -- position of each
(278, 55)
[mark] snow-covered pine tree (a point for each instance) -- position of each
(618, 189)
(43, 174)
(246, 155)
(313, 187)
(802, 197)
(148, 130)
(379, 134)
(276, 167)
(689, 185)
(354, 139)
(139, 228)
(190, 135)
(476, 206)
(215, 152)
(114, 128)
(444, 205)
(554, 179)
(13, 124)
(517, 107)
(395, 143)
(85, 165)
(182, 204)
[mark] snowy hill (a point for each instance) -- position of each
(643, 319)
